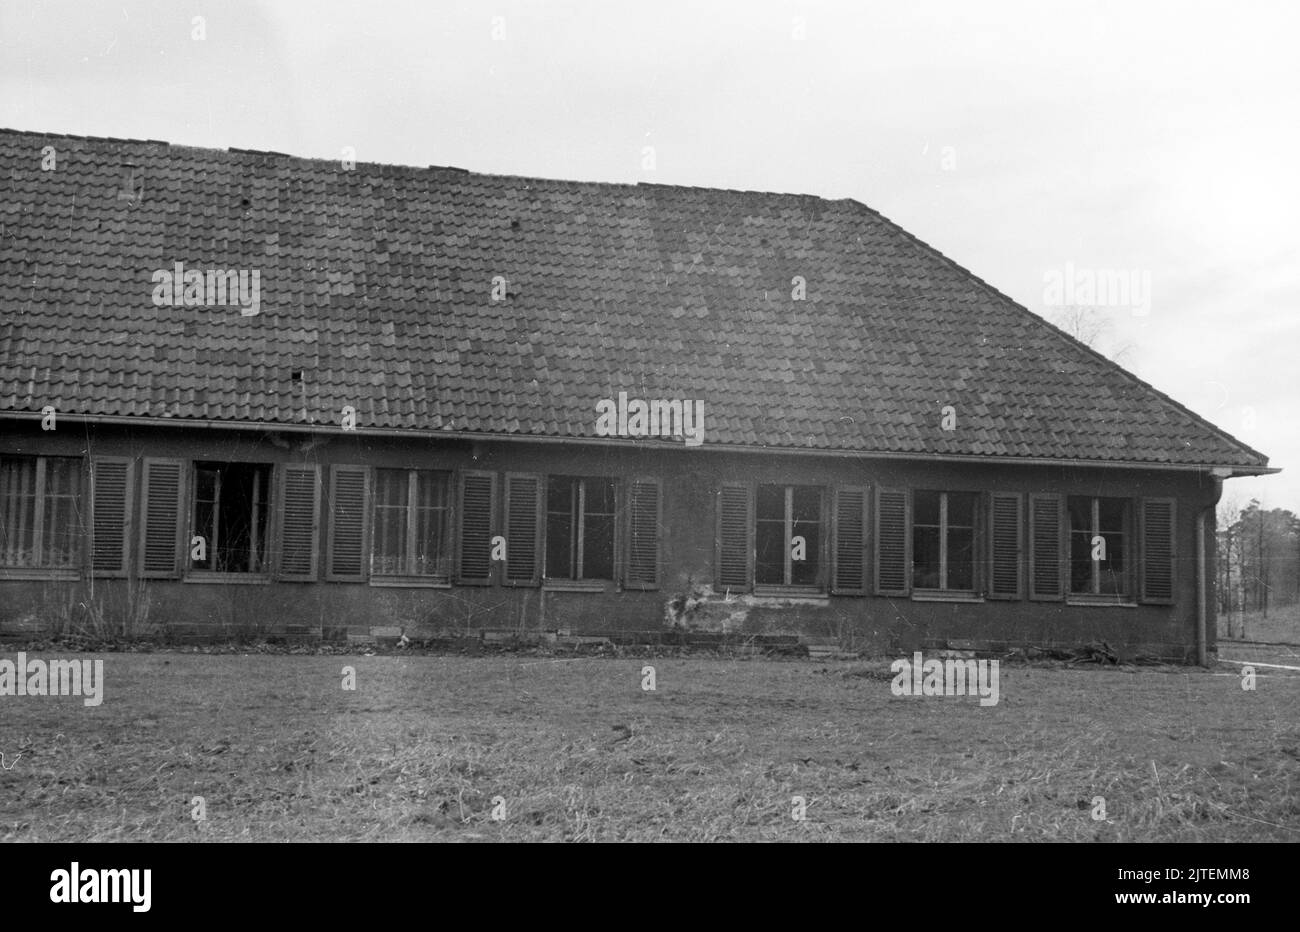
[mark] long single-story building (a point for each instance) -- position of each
(246, 389)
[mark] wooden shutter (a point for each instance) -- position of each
(1158, 551)
(523, 530)
(1006, 546)
(893, 542)
(850, 536)
(735, 556)
(112, 497)
(643, 518)
(1046, 567)
(349, 509)
(477, 514)
(164, 524)
(299, 522)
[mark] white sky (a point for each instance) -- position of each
(1162, 138)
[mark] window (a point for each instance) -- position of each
(40, 512)
(1099, 551)
(787, 535)
(580, 528)
(943, 541)
(411, 515)
(231, 504)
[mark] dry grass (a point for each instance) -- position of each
(1281, 626)
(423, 746)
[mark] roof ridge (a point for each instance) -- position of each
(1074, 343)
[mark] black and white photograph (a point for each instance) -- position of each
(687, 422)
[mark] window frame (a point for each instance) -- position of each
(820, 584)
(446, 540)
(81, 499)
(579, 528)
(977, 529)
(1128, 589)
(269, 560)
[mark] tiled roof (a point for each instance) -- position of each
(376, 284)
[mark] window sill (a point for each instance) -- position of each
(798, 593)
(939, 595)
(46, 573)
(577, 585)
(228, 579)
(1098, 602)
(410, 582)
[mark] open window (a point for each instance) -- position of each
(230, 515)
(40, 513)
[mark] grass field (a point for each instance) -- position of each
(576, 750)
(1282, 625)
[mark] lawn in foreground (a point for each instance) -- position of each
(423, 745)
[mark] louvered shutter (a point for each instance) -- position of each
(1158, 551)
(893, 542)
(298, 521)
(1045, 564)
(1005, 546)
(735, 552)
(523, 530)
(164, 521)
(643, 517)
(477, 513)
(112, 494)
(850, 535)
(349, 506)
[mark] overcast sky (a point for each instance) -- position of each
(1021, 139)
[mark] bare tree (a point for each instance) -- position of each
(1093, 329)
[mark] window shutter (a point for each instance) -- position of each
(299, 522)
(349, 555)
(161, 542)
(893, 542)
(112, 493)
(1005, 546)
(1158, 551)
(477, 519)
(643, 517)
(850, 535)
(1045, 564)
(523, 530)
(735, 558)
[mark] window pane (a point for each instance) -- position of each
(390, 517)
(430, 532)
(804, 572)
(599, 496)
(598, 547)
(1080, 509)
(961, 558)
(925, 557)
(18, 512)
(770, 542)
(961, 509)
(561, 530)
(807, 504)
(1080, 561)
(770, 505)
(925, 510)
(1113, 567)
(1111, 514)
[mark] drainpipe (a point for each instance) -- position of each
(1202, 571)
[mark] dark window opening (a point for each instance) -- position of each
(231, 504)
